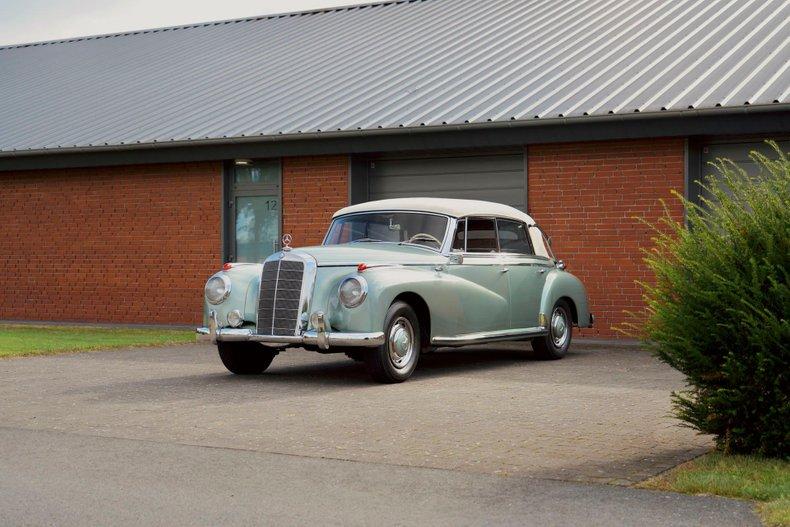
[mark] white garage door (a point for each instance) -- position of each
(490, 177)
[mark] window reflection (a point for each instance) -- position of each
(257, 219)
(264, 173)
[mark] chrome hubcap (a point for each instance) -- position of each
(401, 343)
(559, 327)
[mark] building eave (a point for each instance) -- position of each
(754, 119)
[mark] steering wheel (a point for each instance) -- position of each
(424, 237)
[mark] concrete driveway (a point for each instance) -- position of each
(598, 416)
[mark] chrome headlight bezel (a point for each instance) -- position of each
(226, 284)
(359, 299)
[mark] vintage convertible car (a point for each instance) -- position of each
(394, 279)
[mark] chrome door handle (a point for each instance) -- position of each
(541, 271)
(504, 270)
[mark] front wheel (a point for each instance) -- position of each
(396, 359)
(245, 358)
(555, 345)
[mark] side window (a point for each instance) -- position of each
(481, 236)
(459, 242)
(513, 237)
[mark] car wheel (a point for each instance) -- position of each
(556, 343)
(245, 358)
(396, 359)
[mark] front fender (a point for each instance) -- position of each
(384, 285)
(562, 284)
(245, 282)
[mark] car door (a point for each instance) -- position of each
(484, 299)
(526, 272)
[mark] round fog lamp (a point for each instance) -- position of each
(235, 318)
(353, 291)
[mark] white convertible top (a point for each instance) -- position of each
(457, 208)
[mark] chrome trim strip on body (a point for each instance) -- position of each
(489, 336)
(320, 339)
(308, 283)
(274, 299)
(372, 266)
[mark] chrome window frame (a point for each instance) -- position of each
(499, 253)
(526, 232)
(442, 248)
(466, 251)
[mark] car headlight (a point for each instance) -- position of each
(217, 288)
(353, 291)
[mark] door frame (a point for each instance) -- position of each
(231, 191)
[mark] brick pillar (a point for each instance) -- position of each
(587, 195)
(313, 189)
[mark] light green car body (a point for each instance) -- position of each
(459, 298)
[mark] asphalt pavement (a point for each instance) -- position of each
(483, 436)
(55, 478)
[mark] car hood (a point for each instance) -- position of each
(371, 253)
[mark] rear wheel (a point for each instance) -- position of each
(555, 345)
(245, 358)
(397, 358)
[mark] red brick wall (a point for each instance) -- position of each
(127, 244)
(135, 244)
(313, 189)
(586, 195)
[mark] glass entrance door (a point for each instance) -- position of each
(254, 211)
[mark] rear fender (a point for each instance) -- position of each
(562, 284)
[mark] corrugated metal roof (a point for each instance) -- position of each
(416, 63)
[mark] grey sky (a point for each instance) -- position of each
(36, 20)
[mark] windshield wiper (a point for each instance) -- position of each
(365, 240)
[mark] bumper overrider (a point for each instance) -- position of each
(320, 336)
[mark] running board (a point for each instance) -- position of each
(490, 336)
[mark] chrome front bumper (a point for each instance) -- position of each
(320, 337)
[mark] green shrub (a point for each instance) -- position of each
(718, 309)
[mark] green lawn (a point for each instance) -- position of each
(766, 481)
(19, 340)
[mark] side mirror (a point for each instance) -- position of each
(560, 265)
(455, 258)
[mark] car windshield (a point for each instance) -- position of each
(394, 227)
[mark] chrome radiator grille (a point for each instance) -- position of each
(281, 291)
